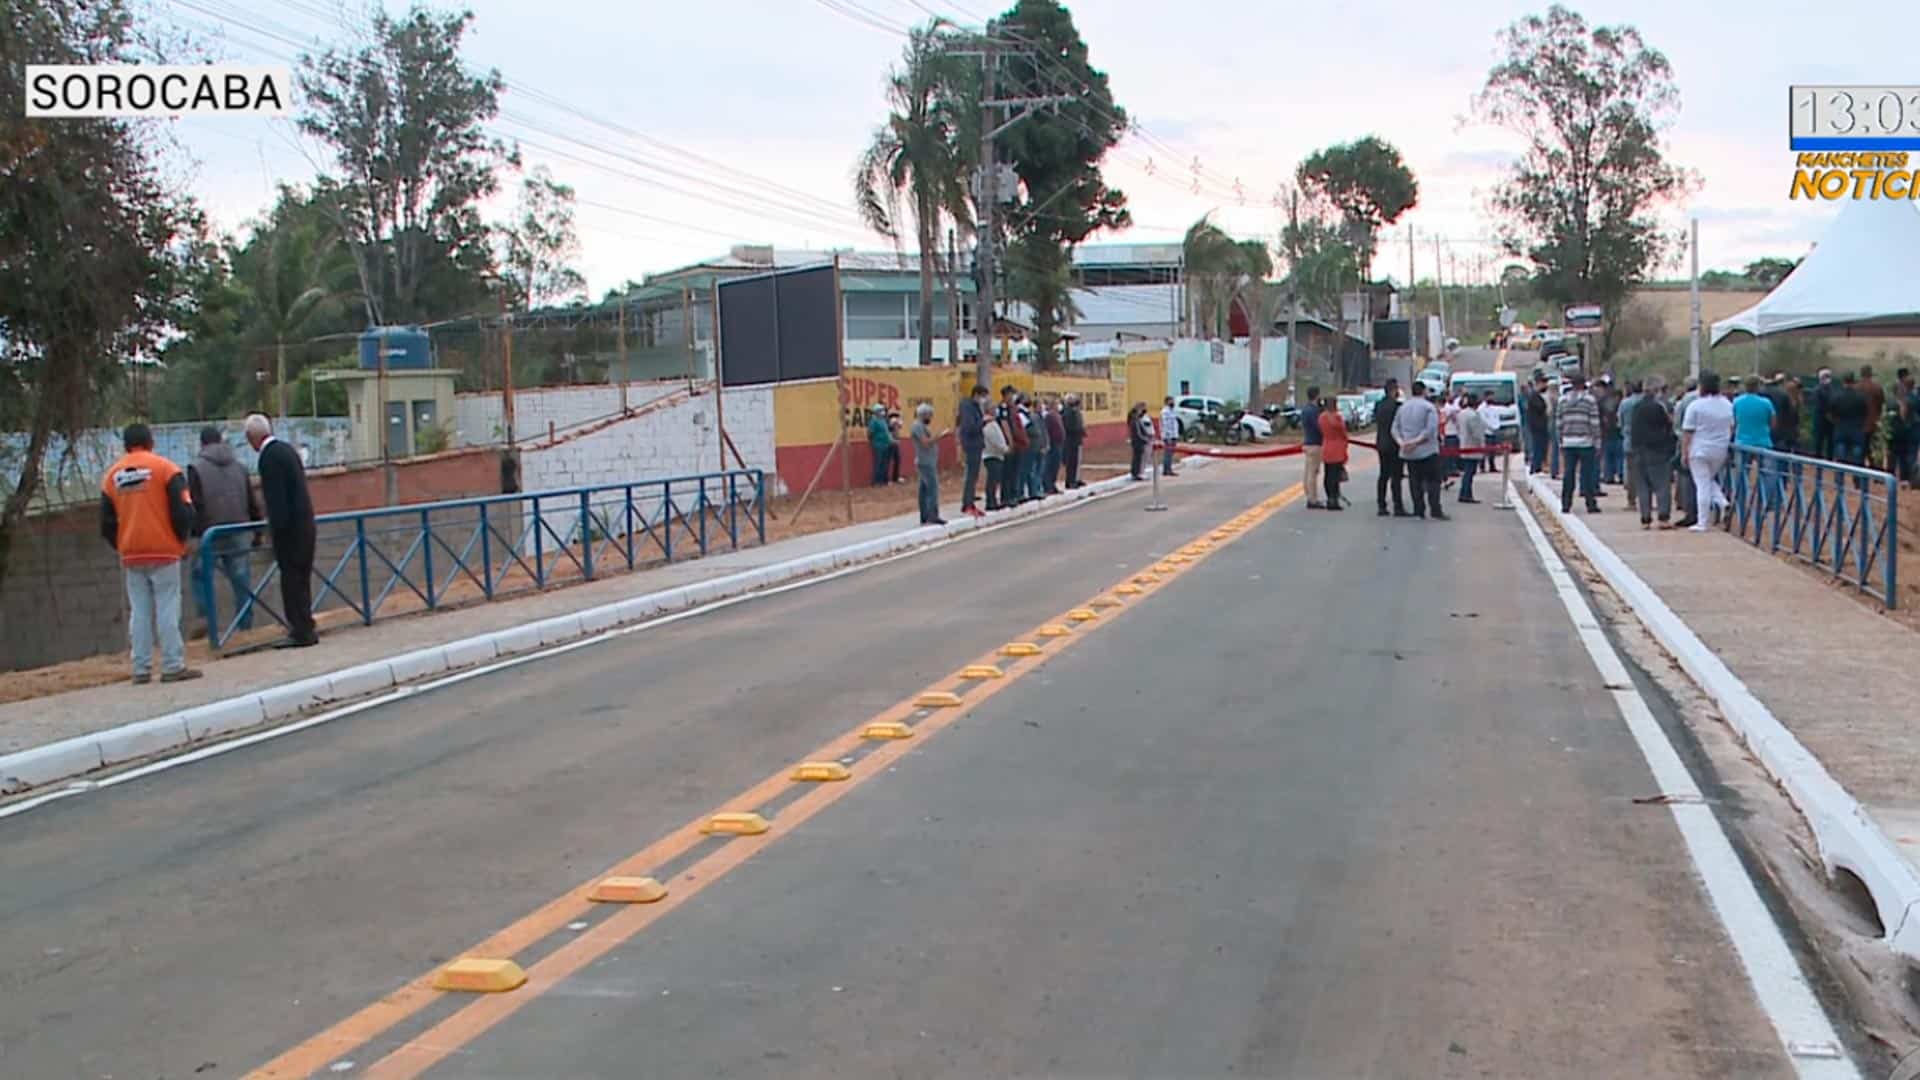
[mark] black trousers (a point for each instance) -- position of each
(1139, 458)
(1391, 471)
(1010, 478)
(1424, 476)
(1072, 461)
(293, 553)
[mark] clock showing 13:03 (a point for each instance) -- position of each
(1854, 118)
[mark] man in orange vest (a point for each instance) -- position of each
(147, 515)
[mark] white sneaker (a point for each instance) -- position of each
(1698, 528)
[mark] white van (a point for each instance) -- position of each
(1505, 388)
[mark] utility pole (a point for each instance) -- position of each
(1293, 299)
(1693, 321)
(506, 363)
(1440, 287)
(621, 331)
(989, 195)
(1410, 243)
(991, 190)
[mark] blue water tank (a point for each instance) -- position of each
(405, 347)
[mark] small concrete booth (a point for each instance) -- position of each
(397, 401)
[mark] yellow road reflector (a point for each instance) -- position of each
(1128, 590)
(1081, 614)
(1019, 648)
(1104, 602)
(473, 975)
(823, 771)
(1222, 534)
(1146, 579)
(735, 824)
(886, 729)
(1168, 566)
(1055, 630)
(981, 671)
(937, 699)
(628, 890)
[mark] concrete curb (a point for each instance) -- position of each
(1847, 837)
(25, 770)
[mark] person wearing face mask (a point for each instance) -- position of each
(1392, 469)
(973, 445)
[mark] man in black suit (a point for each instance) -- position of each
(283, 487)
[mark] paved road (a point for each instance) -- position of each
(1342, 798)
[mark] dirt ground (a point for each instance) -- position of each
(786, 519)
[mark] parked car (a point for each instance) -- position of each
(1435, 377)
(1192, 409)
(1355, 410)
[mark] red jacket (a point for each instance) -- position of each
(1333, 437)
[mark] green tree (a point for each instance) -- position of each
(540, 244)
(1056, 151)
(1581, 202)
(922, 150)
(406, 124)
(1769, 272)
(1213, 266)
(1038, 271)
(1367, 183)
(92, 242)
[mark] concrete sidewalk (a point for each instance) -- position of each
(44, 723)
(1837, 674)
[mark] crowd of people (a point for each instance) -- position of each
(152, 510)
(1028, 447)
(1668, 449)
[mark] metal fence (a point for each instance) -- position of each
(1840, 518)
(393, 560)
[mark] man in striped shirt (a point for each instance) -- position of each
(1578, 418)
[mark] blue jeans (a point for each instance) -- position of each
(1613, 462)
(880, 459)
(1166, 461)
(1468, 467)
(1849, 449)
(1536, 451)
(153, 596)
(1582, 463)
(929, 494)
(1036, 464)
(230, 558)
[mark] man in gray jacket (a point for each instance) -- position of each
(1416, 429)
(222, 495)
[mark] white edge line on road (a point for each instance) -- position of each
(1805, 1032)
(81, 787)
(1847, 836)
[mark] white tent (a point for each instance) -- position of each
(1862, 280)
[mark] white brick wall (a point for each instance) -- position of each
(669, 442)
(674, 441)
(477, 416)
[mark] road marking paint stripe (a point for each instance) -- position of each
(434, 1045)
(1778, 983)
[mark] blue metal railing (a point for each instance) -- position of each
(445, 553)
(1842, 518)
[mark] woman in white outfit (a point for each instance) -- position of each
(1706, 435)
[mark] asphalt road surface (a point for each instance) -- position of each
(1342, 797)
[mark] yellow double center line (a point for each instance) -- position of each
(922, 714)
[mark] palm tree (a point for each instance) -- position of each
(921, 153)
(1212, 265)
(290, 289)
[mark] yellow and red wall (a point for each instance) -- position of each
(807, 416)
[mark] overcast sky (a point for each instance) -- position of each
(745, 116)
